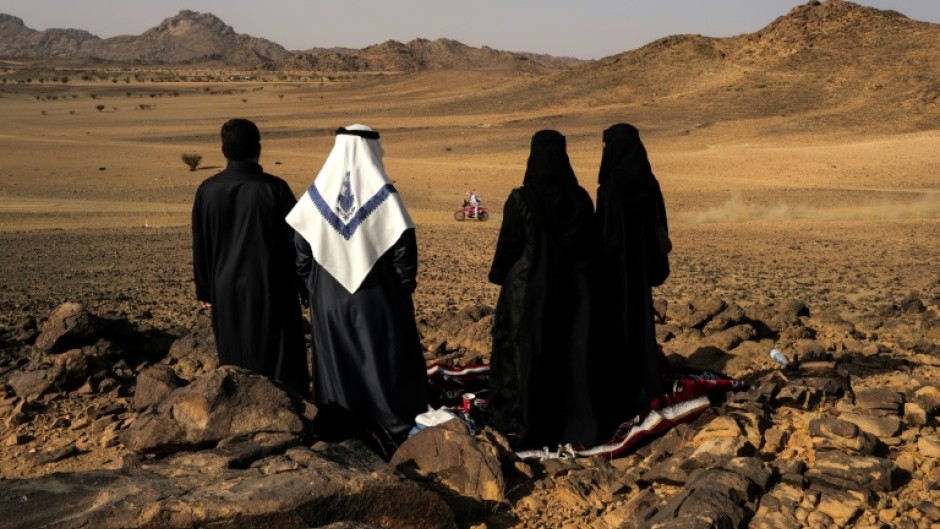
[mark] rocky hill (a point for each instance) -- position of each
(189, 37)
(423, 54)
(834, 60)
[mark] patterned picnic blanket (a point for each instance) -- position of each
(691, 394)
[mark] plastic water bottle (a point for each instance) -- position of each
(779, 357)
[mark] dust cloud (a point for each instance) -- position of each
(737, 209)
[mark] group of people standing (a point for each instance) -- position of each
(574, 350)
(574, 346)
(348, 248)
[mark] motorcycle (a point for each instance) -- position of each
(464, 212)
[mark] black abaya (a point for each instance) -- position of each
(538, 368)
(368, 366)
(626, 365)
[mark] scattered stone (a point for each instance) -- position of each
(696, 313)
(194, 354)
(929, 446)
(799, 397)
(34, 384)
(731, 316)
(227, 402)
(154, 384)
(70, 326)
(775, 440)
(914, 415)
(838, 471)
(777, 318)
(928, 398)
(882, 399)
(879, 426)
(840, 435)
(57, 454)
(732, 337)
(453, 458)
(75, 367)
(15, 439)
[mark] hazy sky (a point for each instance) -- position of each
(587, 29)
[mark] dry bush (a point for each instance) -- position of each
(99, 107)
(192, 160)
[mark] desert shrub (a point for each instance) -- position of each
(93, 96)
(192, 160)
(99, 107)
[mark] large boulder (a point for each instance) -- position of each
(227, 402)
(468, 471)
(70, 326)
(298, 487)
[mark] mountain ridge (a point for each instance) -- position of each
(193, 37)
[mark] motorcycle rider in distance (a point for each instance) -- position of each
(473, 200)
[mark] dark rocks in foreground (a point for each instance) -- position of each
(227, 402)
(298, 488)
(815, 444)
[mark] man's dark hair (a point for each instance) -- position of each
(240, 139)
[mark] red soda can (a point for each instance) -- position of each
(468, 399)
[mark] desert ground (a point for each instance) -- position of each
(95, 202)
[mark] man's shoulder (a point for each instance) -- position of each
(275, 178)
(277, 182)
(212, 179)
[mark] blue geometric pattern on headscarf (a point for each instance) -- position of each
(344, 229)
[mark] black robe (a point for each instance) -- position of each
(243, 261)
(538, 367)
(368, 367)
(626, 366)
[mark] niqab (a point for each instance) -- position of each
(549, 186)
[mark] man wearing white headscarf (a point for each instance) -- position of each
(358, 255)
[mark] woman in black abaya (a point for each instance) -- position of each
(538, 375)
(630, 258)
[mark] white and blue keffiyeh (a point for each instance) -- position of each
(351, 214)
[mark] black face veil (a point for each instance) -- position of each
(548, 160)
(624, 155)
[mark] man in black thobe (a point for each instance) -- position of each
(243, 260)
